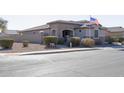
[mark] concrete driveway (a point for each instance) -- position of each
(97, 63)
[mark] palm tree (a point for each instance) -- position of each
(3, 25)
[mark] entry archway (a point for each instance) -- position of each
(66, 33)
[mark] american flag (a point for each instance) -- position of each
(94, 20)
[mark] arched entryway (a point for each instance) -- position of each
(67, 34)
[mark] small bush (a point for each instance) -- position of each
(25, 43)
(121, 39)
(60, 41)
(88, 42)
(109, 40)
(75, 41)
(115, 39)
(50, 39)
(6, 43)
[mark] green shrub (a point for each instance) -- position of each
(115, 39)
(109, 40)
(88, 42)
(50, 39)
(121, 39)
(25, 43)
(6, 43)
(75, 41)
(60, 41)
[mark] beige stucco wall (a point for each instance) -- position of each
(60, 27)
(33, 36)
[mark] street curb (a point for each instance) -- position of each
(58, 51)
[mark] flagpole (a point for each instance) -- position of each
(89, 29)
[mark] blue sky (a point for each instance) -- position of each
(19, 22)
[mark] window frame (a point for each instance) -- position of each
(96, 35)
(53, 32)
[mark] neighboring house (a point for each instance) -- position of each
(63, 29)
(11, 34)
(115, 32)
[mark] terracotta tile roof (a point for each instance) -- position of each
(63, 21)
(37, 28)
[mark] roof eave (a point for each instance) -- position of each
(34, 30)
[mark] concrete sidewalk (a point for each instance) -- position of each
(58, 51)
(49, 51)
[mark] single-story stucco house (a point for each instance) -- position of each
(62, 29)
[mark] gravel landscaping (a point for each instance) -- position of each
(18, 47)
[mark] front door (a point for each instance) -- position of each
(67, 34)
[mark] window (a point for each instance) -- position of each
(53, 32)
(46, 34)
(79, 30)
(96, 33)
(84, 33)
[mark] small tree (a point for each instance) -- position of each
(88, 42)
(3, 25)
(6, 43)
(50, 39)
(75, 41)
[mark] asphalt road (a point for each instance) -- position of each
(97, 63)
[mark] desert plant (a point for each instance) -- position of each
(50, 39)
(25, 43)
(60, 41)
(115, 39)
(121, 39)
(109, 40)
(6, 43)
(3, 25)
(75, 41)
(88, 42)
